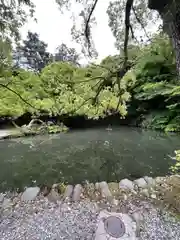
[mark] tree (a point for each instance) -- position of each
(169, 11)
(13, 16)
(5, 56)
(65, 54)
(34, 51)
(60, 89)
(141, 17)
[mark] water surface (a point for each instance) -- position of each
(93, 154)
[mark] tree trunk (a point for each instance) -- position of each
(172, 25)
(175, 37)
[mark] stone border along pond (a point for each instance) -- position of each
(163, 192)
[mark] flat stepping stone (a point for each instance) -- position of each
(115, 226)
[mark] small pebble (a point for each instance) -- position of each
(153, 196)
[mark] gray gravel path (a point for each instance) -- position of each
(49, 221)
(43, 220)
(160, 226)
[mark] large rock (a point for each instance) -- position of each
(53, 196)
(141, 183)
(160, 180)
(77, 192)
(150, 181)
(171, 189)
(30, 194)
(104, 189)
(114, 187)
(97, 186)
(174, 181)
(126, 184)
(68, 192)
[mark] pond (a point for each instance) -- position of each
(91, 154)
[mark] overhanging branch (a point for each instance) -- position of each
(129, 5)
(87, 27)
(17, 94)
(139, 21)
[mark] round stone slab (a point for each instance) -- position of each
(114, 227)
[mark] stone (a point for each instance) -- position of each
(115, 202)
(160, 180)
(138, 218)
(30, 194)
(141, 183)
(125, 197)
(90, 189)
(153, 195)
(55, 185)
(112, 225)
(68, 192)
(15, 200)
(1, 197)
(77, 192)
(45, 191)
(53, 196)
(174, 181)
(113, 187)
(94, 207)
(7, 203)
(150, 181)
(104, 189)
(97, 186)
(126, 184)
(145, 192)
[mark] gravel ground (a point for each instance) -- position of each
(43, 220)
(160, 226)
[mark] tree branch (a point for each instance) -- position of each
(85, 81)
(139, 21)
(125, 66)
(101, 66)
(87, 28)
(5, 86)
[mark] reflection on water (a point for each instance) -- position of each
(94, 155)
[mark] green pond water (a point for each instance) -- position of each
(92, 154)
